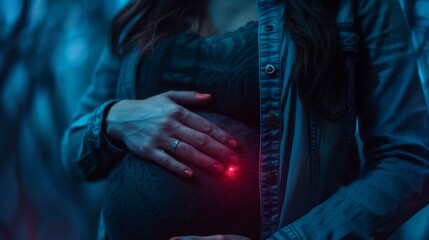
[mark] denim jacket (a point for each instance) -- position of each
(312, 182)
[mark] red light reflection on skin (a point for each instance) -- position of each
(231, 171)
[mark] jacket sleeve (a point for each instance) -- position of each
(393, 125)
(86, 151)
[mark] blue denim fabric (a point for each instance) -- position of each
(86, 151)
(312, 185)
(326, 194)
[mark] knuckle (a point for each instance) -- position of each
(209, 163)
(144, 149)
(177, 112)
(223, 138)
(174, 110)
(201, 140)
(183, 114)
(163, 122)
(206, 126)
(165, 162)
(225, 153)
(221, 135)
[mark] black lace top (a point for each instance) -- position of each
(145, 201)
(224, 65)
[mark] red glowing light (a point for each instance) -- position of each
(232, 171)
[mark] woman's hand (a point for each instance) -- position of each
(152, 126)
(214, 237)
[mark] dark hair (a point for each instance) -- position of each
(311, 24)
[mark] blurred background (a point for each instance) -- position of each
(48, 49)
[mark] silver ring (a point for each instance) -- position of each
(175, 144)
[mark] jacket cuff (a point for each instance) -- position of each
(102, 153)
(95, 130)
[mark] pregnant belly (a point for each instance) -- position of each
(144, 201)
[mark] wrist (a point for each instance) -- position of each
(109, 127)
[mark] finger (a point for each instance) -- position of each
(188, 97)
(206, 144)
(189, 153)
(203, 125)
(169, 163)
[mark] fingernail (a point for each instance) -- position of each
(218, 167)
(233, 143)
(188, 173)
(205, 95)
(234, 159)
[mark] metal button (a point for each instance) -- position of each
(272, 120)
(269, 27)
(270, 69)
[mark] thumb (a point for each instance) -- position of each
(188, 97)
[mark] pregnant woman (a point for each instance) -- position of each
(236, 119)
(212, 141)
